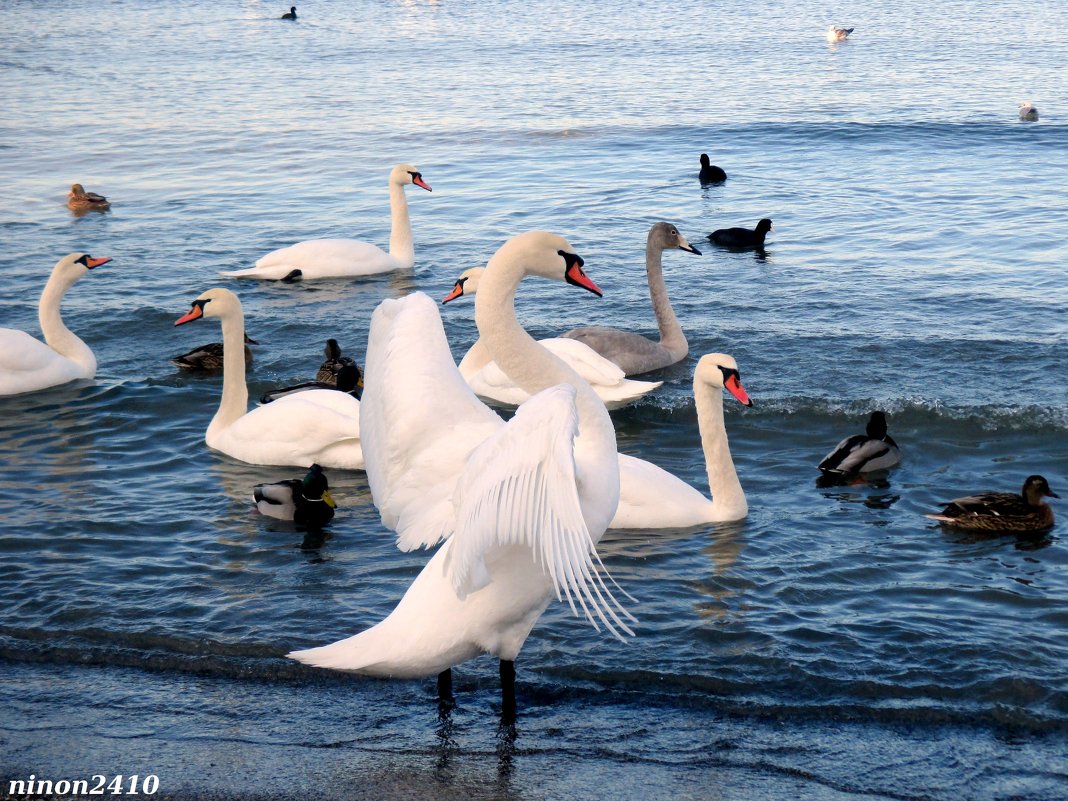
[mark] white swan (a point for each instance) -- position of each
(318, 426)
(650, 497)
(27, 364)
(634, 353)
(337, 258)
(488, 380)
(521, 504)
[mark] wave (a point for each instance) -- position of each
(905, 411)
(981, 702)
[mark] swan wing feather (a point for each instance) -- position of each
(419, 420)
(518, 488)
(585, 361)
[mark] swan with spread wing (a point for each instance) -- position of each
(520, 505)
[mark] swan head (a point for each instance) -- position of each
(404, 174)
(666, 237)
(466, 284)
(720, 371)
(74, 265)
(213, 303)
(545, 254)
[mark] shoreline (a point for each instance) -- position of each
(236, 740)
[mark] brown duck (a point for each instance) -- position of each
(80, 200)
(209, 358)
(337, 372)
(1008, 512)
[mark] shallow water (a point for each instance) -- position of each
(834, 644)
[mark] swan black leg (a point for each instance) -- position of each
(507, 690)
(445, 698)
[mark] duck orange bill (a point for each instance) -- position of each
(418, 181)
(455, 293)
(576, 276)
(91, 262)
(194, 313)
(734, 386)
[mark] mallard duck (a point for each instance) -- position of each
(337, 372)
(863, 453)
(330, 368)
(209, 358)
(1008, 512)
(742, 238)
(80, 200)
(1028, 112)
(838, 34)
(291, 14)
(710, 173)
(305, 501)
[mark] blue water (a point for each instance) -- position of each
(836, 644)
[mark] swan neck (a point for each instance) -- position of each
(727, 495)
(534, 368)
(60, 338)
(400, 235)
(234, 403)
(505, 341)
(671, 336)
(475, 359)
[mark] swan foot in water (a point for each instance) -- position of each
(507, 691)
(445, 698)
(291, 276)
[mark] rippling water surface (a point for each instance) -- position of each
(833, 645)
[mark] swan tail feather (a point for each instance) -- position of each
(353, 653)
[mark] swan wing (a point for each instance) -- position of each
(651, 497)
(518, 488)
(321, 258)
(419, 420)
(585, 361)
(332, 257)
(27, 364)
(340, 402)
(607, 380)
(300, 429)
